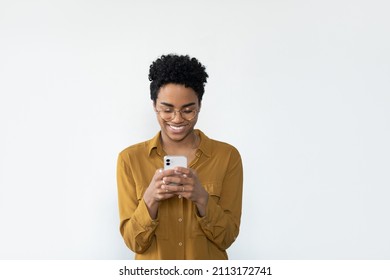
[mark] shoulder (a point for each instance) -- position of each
(138, 150)
(224, 147)
(143, 148)
(216, 147)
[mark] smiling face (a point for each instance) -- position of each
(174, 97)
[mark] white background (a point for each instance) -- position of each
(301, 88)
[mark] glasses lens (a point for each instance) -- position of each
(169, 115)
(188, 114)
(166, 115)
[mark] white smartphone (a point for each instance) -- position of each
(171, 162)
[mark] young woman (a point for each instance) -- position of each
(187, 212)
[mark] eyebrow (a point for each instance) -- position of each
(171, 105)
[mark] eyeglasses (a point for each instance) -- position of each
(169, 114)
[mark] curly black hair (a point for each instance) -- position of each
(177, 69)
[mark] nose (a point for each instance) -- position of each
(177, 117)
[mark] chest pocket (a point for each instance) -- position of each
(214, 190)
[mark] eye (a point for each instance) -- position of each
(188, 111)
(167, 110)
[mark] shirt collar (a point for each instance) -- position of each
(205, 143)
(204, 146)
(155, 145)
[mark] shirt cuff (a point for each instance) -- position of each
(143, 217)
(211, 214)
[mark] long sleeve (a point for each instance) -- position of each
(136, 226)
(178, 233)
(222, 220)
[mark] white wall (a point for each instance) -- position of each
(301, 88)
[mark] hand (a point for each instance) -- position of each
(155, 193)
(188, 186)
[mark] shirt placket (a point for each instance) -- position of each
(180, 226)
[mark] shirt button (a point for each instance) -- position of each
(180, 244)
(180, 220)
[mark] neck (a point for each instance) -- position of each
(191, 142)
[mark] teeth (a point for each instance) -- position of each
(176, 127)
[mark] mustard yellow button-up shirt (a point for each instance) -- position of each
(178, 232)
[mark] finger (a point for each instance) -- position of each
(158, 174)
(182, 170)
(172, 180)
(169, 172)
(164, 188)
(169, 189)
(162, 175)
(180, 189)
(163, 196)
(158, 197)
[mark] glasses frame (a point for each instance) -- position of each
(174, 114)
